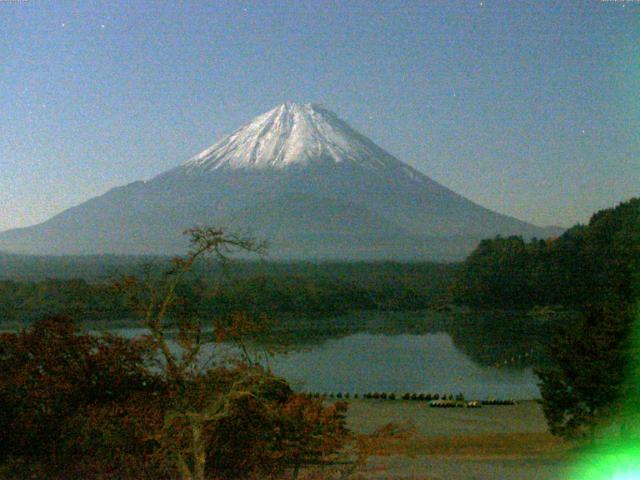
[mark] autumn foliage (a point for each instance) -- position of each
(83, 406)
(63, 395)
(75, 405)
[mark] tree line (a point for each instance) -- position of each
(587, 263)
(324, 289)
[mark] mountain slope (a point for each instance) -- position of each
(296, 175)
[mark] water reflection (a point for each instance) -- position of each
(481, 356)
(431, 362)
(496, 339)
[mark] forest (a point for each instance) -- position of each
(266, 287)
(588, 263)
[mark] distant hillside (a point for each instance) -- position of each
(88, 267)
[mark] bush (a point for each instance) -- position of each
(56, 386)
(80, 406)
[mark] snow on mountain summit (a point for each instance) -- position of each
(292, 134)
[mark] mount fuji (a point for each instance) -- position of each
(297, 176)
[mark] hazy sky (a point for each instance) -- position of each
(529, 108)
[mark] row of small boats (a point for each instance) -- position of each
(435, 400)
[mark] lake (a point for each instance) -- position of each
(406, 352)
(428, 363)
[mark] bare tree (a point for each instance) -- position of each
(157, 299)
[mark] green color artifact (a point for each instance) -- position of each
(617, 456)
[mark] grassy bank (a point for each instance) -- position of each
(409, 440)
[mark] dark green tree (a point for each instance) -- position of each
(587, 263)
(586, 379)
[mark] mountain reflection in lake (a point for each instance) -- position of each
(481, 356)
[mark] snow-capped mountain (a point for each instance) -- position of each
(292, 134)
(299, 177)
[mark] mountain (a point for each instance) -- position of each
(298, 176)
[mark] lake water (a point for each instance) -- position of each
(396, 353)
(428, 363)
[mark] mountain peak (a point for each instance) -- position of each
(291, 134)
(294, 106)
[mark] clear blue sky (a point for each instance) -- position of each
(529, 108)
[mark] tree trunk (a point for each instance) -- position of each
(199, 454)
(185, 473)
